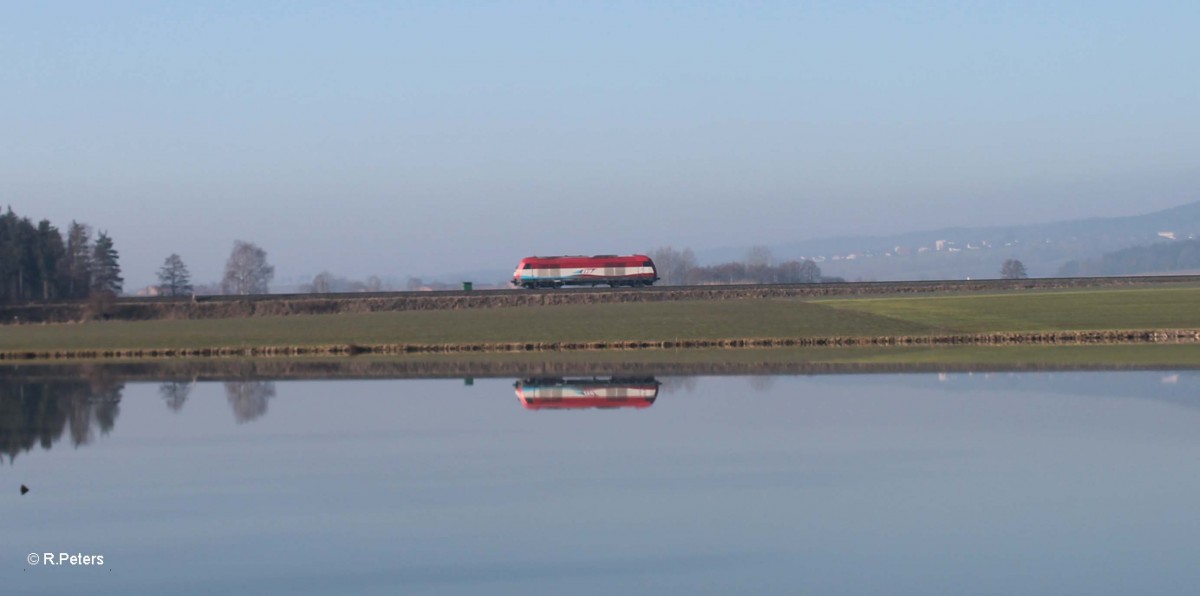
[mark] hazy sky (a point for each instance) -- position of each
(412, 139)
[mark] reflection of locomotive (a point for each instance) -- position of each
(556, 272)
(563, 394)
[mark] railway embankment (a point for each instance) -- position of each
(278, 305)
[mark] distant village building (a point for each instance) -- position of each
(149, 291)
(940, 245)
(1167, 235)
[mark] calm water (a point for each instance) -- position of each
(1015, 483)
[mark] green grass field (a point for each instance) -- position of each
(1042, 311)
(1139, 308)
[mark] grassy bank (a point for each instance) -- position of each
(802, 361)
(1149, 308)
(1039, 311)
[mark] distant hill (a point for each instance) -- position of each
(955, 253)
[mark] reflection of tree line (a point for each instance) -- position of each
(247, 398)
(758, 384)
(42, 413)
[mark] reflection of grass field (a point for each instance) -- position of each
(1042, 311)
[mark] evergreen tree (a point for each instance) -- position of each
(36, 263)
(106, 268)
(49, 252)
(19, 278)
(173, 278)
(76, 270)
(9, 256)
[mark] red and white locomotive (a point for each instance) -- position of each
(556, 272)
(570, 394)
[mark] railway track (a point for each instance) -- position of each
(832, 289)
(212, 307)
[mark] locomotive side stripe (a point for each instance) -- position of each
(548, 274)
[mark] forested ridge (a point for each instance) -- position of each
(1163, 257)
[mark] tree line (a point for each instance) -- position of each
(246, 272)
(1183, 255)
(38, 263)
(679, 267)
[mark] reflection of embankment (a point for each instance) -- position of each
(557, 393)
(41, 413)
(350, 368)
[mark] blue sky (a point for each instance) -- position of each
(418, 138)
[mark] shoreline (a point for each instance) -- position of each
(824, 361)
(1051, 338)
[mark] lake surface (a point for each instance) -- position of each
(1004, 483)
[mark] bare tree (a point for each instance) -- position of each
(249, 398)
(799, 272)
(1013, 269)
(322, 283)
(247, 271)
(677, 384)
(759, 257)
(762, 383)
(173, 278)
(672, 265)
(374, 284)
(175, 393)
